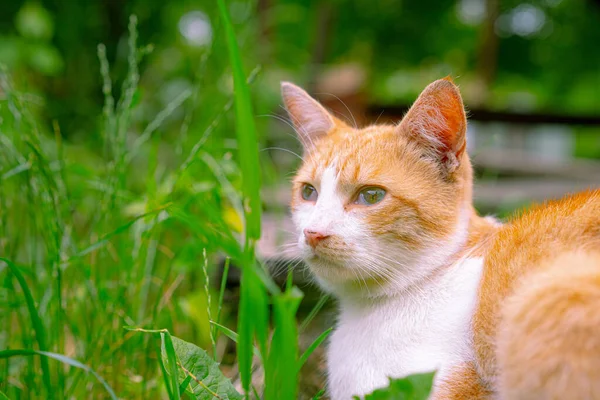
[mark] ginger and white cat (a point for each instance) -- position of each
(386, 223)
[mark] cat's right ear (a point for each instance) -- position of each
(438, 122)
(311, 120)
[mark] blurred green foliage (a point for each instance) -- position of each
(547, 56)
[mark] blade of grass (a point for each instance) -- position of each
(253, 310)
(166, 378)
(313, 347)
(167, 343)
(226, 186)
(109, 101)
(214, 330)
(208, 302)
(156, 122)
(64, 359)
(38, 326)
(228, 332)
(171, 378)
(246, 329)
(231, 335)
(104, 240)
(281, 371)
(217, 231)
(222, 288)
(315, 310)
(246, 132)
(26, 166)
(252, 319)
(189, 160)
(185, 384)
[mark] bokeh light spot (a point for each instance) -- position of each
(195, 28)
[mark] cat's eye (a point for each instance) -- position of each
(309, 193)
(370, 196)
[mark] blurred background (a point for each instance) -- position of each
(529, 72)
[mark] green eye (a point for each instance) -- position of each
(309, 193)
(370, 196)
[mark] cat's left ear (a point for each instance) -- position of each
(311, 120)
(438, 122)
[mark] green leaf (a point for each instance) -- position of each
(207, 380)
(414, 387)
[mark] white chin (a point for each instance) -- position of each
(329, 273)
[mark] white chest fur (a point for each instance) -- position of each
(421, 331)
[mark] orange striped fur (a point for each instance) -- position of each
(536, 327)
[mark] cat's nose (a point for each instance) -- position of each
(313, 237)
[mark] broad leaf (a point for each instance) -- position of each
(207, 381)
(414, 387)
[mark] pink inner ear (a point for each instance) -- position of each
(453, 111)
(310, 119)
(438, 118)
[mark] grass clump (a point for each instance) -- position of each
(87, 251)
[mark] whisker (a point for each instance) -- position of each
(347, 108)
(279, 267)
(303, 134)
(285, 121)
(282, 149)
(379, 116)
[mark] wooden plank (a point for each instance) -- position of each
(520, 191)
(525, 163)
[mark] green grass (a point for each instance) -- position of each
(109, 251)
(88, 252)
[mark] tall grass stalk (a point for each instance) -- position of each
(253, 311)
(280, 358)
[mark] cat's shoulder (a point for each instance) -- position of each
(558, 223)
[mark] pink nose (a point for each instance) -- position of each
(313, 237)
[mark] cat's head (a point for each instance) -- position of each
(379, 208)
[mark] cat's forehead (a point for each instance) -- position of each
(355, 155)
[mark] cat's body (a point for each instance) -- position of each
(386, 223)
